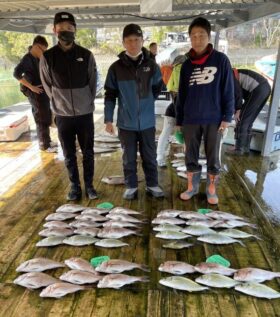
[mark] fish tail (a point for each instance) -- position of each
(144, 268)
(144, 279)
(240, 242)
(257, 237)
(252, 225)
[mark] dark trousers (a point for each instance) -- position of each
(212, 142)
(82, 127)
(130, 140)
(42, 116)
(251, 108)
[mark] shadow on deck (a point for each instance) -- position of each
(249, 187)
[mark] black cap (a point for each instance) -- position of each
(64, 16)
(132, 29)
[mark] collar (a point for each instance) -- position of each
(199, 60)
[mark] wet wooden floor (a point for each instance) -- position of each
(35, 184)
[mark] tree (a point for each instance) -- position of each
(86, 38)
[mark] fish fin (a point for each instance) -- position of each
(144, 268)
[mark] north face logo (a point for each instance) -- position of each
(204, 76)
(146, 69)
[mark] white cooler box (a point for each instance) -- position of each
(12, 126)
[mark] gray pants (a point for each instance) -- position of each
(212, 143)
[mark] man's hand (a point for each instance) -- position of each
(109, 128)
(37, 89)
(223, 126)
(237, 116)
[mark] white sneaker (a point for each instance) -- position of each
(50, 150)
(161, 163)
(53, 144)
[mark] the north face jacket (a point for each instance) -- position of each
(69, 79)
(206, 91)
(135, 86)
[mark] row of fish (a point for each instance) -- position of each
(245, 280)
(169, 226)
(81, 273)
(89, 226)
(180, 166)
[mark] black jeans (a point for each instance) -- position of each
(212, 143)
(251, 108)
(42, 116)
(83, 128)
(130, 140)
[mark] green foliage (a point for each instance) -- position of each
(86, 38)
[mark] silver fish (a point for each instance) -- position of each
(80, 264)
(35, 280)
(110, 243)
(182, 283)
(60, 289)
(257, 290)
(169, 213)
(113, 180)
(198, 230)
(119, 266)
(234, 223)
(95, 211)
(106, 139)
(168, 220)
(121, 217)
(176, 235)
(87, 231)
(209, 268)
(70, 208)
(56, 232)
(176, 267)
(177, 245)
(80, 240)
(235, 233)
(80, 277)
(56, 224)
(167, 227)
(193, 215)
(38, 265)
(80, 223)
(177, 161)
(60, 216)
(118, 280)
(223, 215)
(251, 274)
(216, 280)
(124, 211)
(92, 218)
(115, 233)
(207, 222)
(50, 241)
(178, 164)
(119, 224)
(216, 238)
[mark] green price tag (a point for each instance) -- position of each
(204, 211)
(105, 205)
(179, 137)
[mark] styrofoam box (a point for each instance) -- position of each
(12, 126)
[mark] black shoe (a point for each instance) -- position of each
(130, 193)
(91, 193)
(75, 193)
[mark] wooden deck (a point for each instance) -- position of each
(34, 184)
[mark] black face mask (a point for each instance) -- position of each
(67, 37)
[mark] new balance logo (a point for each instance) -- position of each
(204, 76)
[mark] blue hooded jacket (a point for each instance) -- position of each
(206, 91)
(135, 86)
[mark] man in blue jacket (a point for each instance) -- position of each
(205, 106)
(135, 80)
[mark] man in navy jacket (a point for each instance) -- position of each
(204, 106)
(135, 80)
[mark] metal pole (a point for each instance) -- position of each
(273, 109)
(216, 41)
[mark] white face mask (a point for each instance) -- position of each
(134, 57)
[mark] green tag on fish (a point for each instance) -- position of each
(204, 211)
(216, 258)
(105, 205)
(98, 260)
(179, 137)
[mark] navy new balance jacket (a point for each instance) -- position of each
(206, 91)
(136, 87)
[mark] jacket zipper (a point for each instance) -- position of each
(138, 106)
(70, 84)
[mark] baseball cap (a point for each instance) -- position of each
(132, 29)
(64, 16)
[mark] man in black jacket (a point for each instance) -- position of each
(27, 73)
(68, 73)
